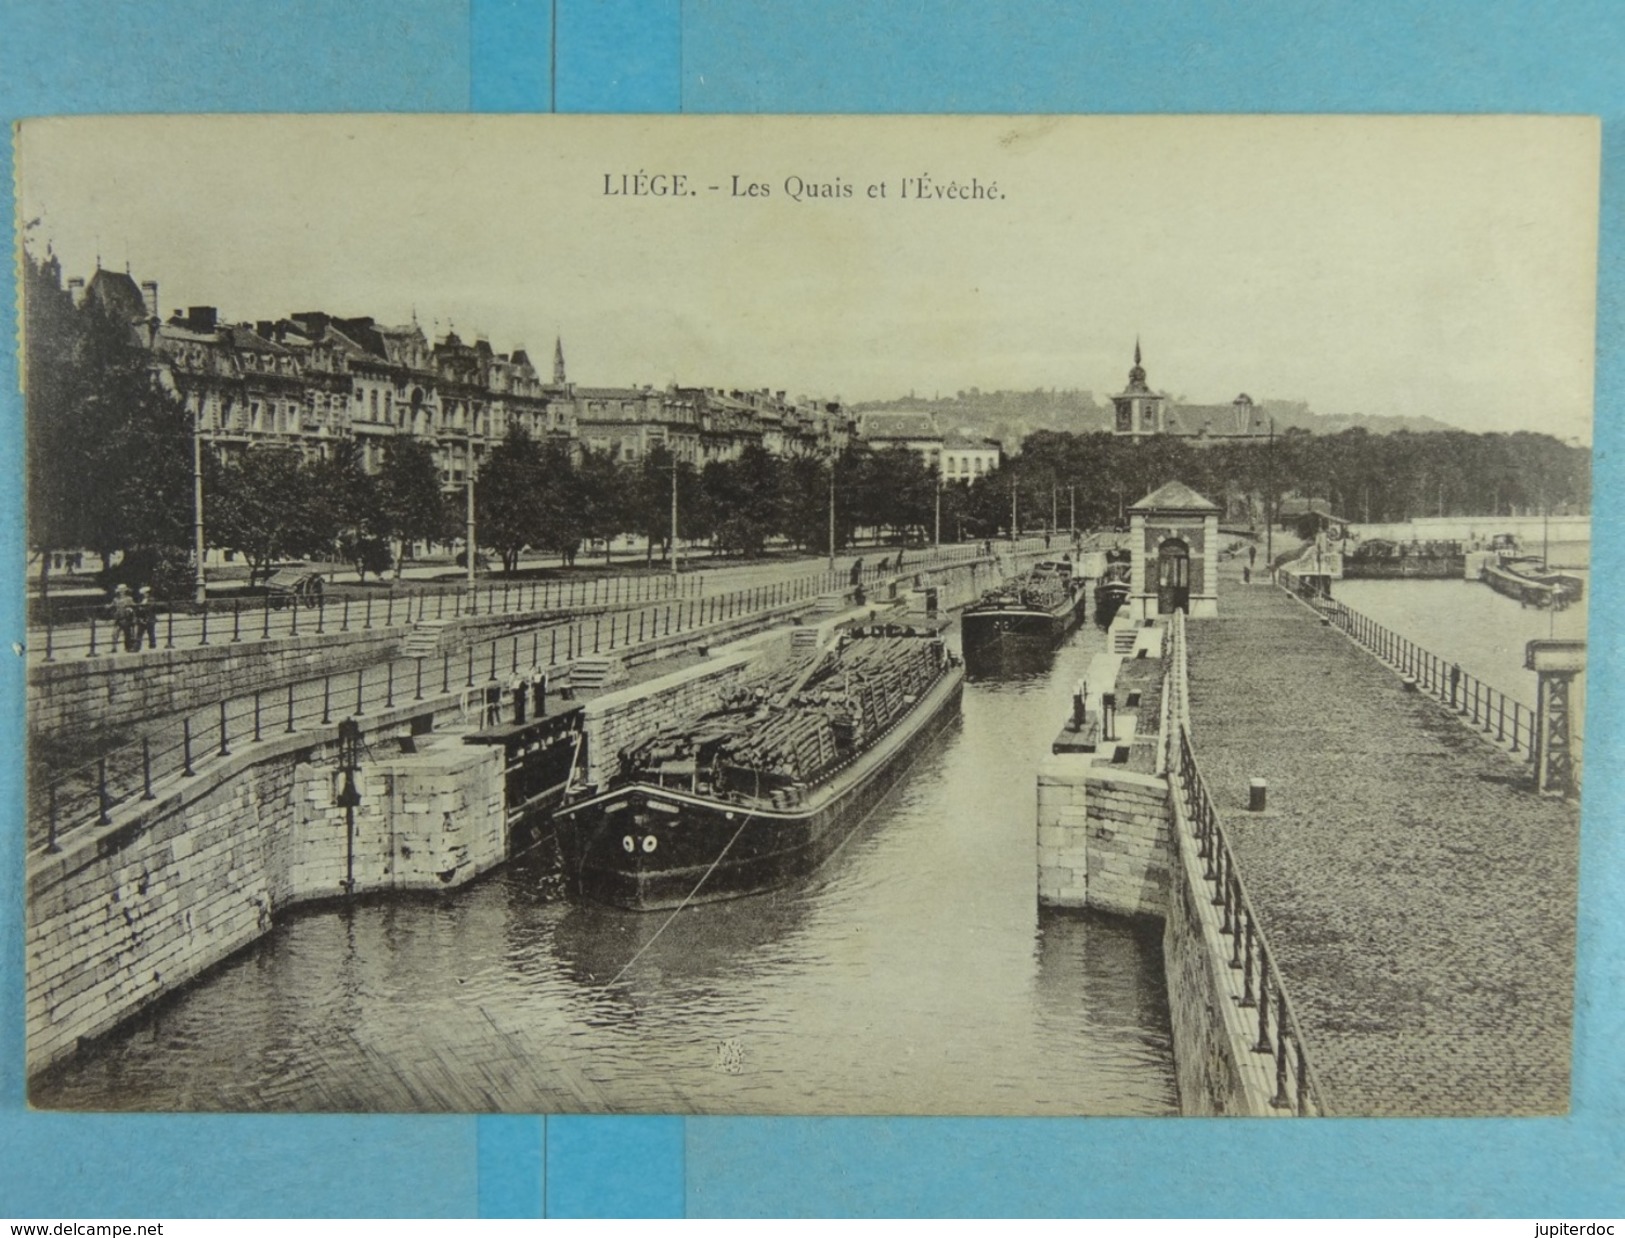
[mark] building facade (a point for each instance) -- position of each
(1139, 413)
(314, 379)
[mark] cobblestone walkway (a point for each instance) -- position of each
(1419, 898)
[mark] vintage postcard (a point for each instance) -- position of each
(751, 615)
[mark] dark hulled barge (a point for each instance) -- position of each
(1034, 611)
(1114, 586)
(1527, 580)
(762, 791)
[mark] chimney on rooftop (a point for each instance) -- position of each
(149, 294)
(201, 318)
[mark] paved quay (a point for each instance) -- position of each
(1419, 898)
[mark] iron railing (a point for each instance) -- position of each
(1256, 977)
(1495, 714)
(86, 794)
(68, 628)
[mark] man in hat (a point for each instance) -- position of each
(146, 614)
(124, 618)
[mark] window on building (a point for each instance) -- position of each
(979, 464)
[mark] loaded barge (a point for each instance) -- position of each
(761, 791)
(1034, 611)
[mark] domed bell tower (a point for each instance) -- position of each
(1140, 412)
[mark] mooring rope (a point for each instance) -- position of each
(687, 898)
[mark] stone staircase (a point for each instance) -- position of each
(424, 639)
(596, 674)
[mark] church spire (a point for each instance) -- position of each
(558, 360)
(1136, 375)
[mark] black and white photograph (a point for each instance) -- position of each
(1051, 616)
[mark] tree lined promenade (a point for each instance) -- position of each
(115, 465)
(62, 800)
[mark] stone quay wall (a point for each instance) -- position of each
(133, 910)
(1214, 1067)
(114, 690)
(1103, 840)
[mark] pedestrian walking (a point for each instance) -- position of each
(1252, 555)
(1246, 574)
(857, 572)
(146, 616)
(124, 619)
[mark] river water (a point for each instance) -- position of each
(1468, 623)
(912, 974)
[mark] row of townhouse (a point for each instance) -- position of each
(314, 379)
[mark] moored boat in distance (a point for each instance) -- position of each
(761, 791)
(1114, 586)
(1035, 610)
(1526, 580)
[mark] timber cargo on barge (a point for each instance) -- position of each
(760, 792)
(1036, 610)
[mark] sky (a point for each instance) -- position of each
(1438, 266)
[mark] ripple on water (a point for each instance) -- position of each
(911, 974)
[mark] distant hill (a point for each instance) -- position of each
(1010, 416)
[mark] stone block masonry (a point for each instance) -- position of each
(115, 690)
(1103, 838)
(131, 911)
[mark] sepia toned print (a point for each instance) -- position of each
(993, 615)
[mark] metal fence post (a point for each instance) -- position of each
(360, 677)
(256, 715)
(50, 824)
(225, 751)
(327, 699)
(146, 768)
(186, 748)
(293, 629)
(265, 626)
(290, 709)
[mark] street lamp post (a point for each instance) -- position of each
(939, 511)
(674, 567)
(200, 585)
(832, 459)
(469, 550)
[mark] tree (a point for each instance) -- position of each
(562, 514)
(411, 505)
(508, 497)
(602, 489)
(109, 449)
(260, 508)
(345, 510)
(743, 498)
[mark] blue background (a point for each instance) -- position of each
(923, 56)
